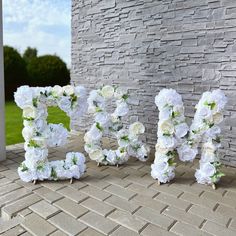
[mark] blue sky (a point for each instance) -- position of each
(44, 24)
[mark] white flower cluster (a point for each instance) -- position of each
(39, 135)
(208, 116)
(171, 129)
(106, 123)
(176, 139)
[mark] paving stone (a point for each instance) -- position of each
(142, 190)
(183, 216)
(8, 188)
(120, 192)
(10, 174)
(155, 218)
(226, 211)
(219, 199)
(24, 212)
(14, 231)
(58, 233)
(172, 201)
(129, 221)
(13, 196)
(56, 185)
(122, 231)
(181, 228)
(70, 207)
(97, 206)
(98, 223)
(48, 195)
(95, 193)
(67, 224)
(28, 185)
(97, 183)
(12, 223)
(167, 189)
(215, 229)
(5, 181)
(122, 204)
(90, 232)
(142, 200)
(198, 201)
(153, 230)
(73, 194)
(117, 181)
(209, 215)
(12, 209)
(37, 226)
(44, 209)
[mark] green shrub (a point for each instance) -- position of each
(47, 70)
(14, 71)
(29, 54)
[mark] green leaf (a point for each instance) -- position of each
(98, 126)
(74, 160)
(33, 143)
(23, 167)
(125, 138)
(53, 174)
(35, 102)
(125, 96)
(98, 109)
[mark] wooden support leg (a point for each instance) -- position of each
(158, 183)
(98, 164)
(71, 180)
(35, 181)
(117, 165)
(213, 186)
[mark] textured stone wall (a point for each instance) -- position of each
(188, 45)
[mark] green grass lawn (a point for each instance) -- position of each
(14, 122)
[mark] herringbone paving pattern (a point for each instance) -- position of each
(114, 201)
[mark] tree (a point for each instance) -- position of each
(14, 71)
(47, 70)
(29, 54)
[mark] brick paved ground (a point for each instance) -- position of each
(114, 201)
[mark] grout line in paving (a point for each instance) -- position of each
(203, 222)
(229, 222)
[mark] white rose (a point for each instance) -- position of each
(107, 91)
(80, 91)
(30, 112)
(69, 89)
(166, 127)
(218, 118)
(28, 133)
(186, 153)
(181, 130)
(208, 169)
(167, 142)
(24, 96)
(136, 128)
(102, 118)
(122, 109)
(161, 149)
(120, 92)
(165, 113)
(97, 155)
(57, 91)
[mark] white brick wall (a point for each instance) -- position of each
(188, 45)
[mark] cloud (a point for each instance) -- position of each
(44, 24)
